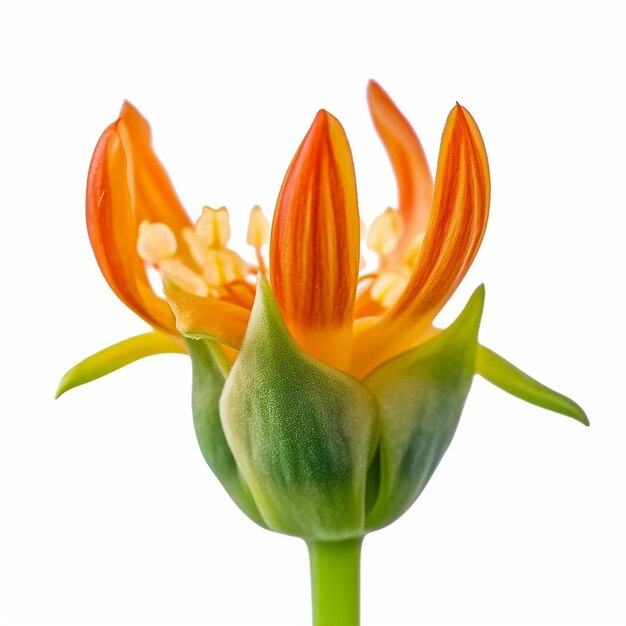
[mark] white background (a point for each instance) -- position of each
(108, 514)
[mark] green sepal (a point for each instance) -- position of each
(302, 433)
(210, 369)
(421, 394)
(118, 355)
(506, 376)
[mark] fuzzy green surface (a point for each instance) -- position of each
(302, 433)
(421, 394)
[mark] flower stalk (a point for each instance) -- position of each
(335, 581)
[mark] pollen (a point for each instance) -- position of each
(385, 232)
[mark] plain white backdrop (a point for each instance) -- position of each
(108, 514)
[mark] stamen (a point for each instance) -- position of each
(385, 232)
(220, 272)
(223, 266)
(183, 277)
(196, 248)
(213, 227)
(258, 228)
(155, 242)
(258, 235)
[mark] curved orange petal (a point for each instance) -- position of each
(314, 248)
(199, 317)
(152, 194)
(413, 178)
(454, 233)
(113, 232)
(125, 185)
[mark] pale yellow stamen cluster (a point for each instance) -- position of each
(216, 266)
(206, 266)
(382, 238)
(157, 245)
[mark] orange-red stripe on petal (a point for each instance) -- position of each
(127, 184)
(455, 230)
(405, 152)
(314, 247)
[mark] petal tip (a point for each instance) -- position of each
(323, 122)
(128, 107)
(373, 87)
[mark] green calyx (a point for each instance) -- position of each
(210, 370)
(420, 394)
(302, 433)
(307, 450)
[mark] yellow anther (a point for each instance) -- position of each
(213, 227)
(223, 266)
(155, 242)
(384, 232)
(183, 277)
(388, 287)
(413, 251)
(258, 228)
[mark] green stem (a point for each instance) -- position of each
(335, 568)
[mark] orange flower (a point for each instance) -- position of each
(134, 218)
(340, 401)
(350, 319)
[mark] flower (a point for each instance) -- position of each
(324, 398)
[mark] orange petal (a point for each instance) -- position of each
(455, 230)
(314, 248)
(152, 194)
(198, 317)
(127, 184)
(113, 232)
(415, 185)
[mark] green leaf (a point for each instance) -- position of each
(421, 394)
(302, 433)
(210, 370)
(116, 356)
(509, 378)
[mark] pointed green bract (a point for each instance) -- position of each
(501, 373)
(421, 394)
(116, 356)
(210, 370)
(302, 432)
